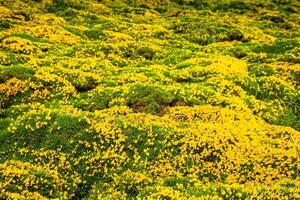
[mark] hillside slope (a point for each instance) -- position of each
(183, 99)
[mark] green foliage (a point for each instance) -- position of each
(148, 98)
(17, 71)
(94, 34)
(60, 5)
(31, 38)
(279, 47)
(210, 32)
(5, 24)
(135, 99)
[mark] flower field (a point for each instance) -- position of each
(158, 99)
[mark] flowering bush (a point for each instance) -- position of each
(135, 99)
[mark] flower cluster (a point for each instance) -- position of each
(149, 99)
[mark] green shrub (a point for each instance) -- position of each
(82, 84)
(18, 71)
(61, 5)
(41, 130)
(174, 181)
(4, 123)
(146, 52)
(206, 29)
(94, 34)
(237, 6)
(96, 101)
(62, 130)
(31, 38)
(5, 24)
(279, 47)
(148, 98)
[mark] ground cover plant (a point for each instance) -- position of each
(136, 99)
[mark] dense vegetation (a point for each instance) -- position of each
(136, 99)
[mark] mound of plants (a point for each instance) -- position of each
(182, 99)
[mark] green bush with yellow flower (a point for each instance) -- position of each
(135, 99)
